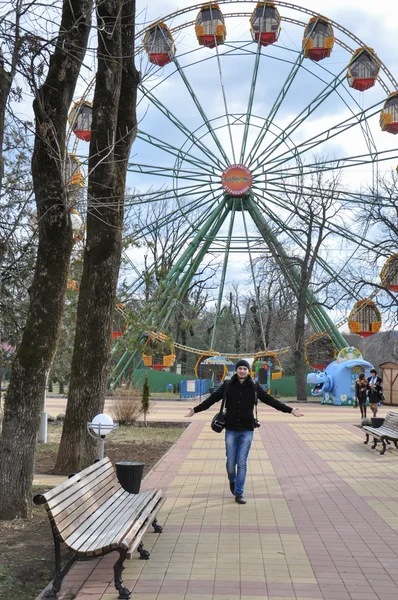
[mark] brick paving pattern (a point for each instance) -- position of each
(318, 500)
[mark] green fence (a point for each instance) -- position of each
(286, 387)
(158, 380)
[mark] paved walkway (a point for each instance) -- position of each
(317, 501)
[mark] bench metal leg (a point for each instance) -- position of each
(383, 441)
(367, 438)
(118, 568)
(157, 528)
(59, 573)
(144, 554)
(374, 443)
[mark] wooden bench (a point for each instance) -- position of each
(387, 432)
(93, 515)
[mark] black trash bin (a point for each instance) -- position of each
(129, 474)
(377, 421)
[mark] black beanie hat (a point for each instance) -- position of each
(242, 363)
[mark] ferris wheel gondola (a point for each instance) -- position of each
(389, 115)
(365, 318)
(265, 23)
(318, 39)
(159, 44)
(80, 119)
(210, 26)
(389, 273)
(363, 69)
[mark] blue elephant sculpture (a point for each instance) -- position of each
(336, 384)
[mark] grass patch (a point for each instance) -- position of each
(144, 444)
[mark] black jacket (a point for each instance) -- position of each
(375, 393)
(361, 388)
(240, 403)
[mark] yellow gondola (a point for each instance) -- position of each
(319, 351)
(318, 39)
(158, 351)
(363, 69)
(78, 226)
(159, 45)
(389, 273)
(74, 177)
(389, 114)
(80, 119)
(266, 367)
(265, 23)
(216, 369)
(210, 26)
(73, 285)
(365, 318)
(119, 321)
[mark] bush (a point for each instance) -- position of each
(126, 406)
(145, 398)
(61, 417)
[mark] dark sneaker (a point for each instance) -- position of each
(240, 499)
(232, 487)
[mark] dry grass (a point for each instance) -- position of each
(127, 406)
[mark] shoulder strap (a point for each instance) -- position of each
(226, 386)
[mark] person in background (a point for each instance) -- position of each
(361, 388)
(240, 422)
(375, 390)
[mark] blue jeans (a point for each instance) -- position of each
(237, 444)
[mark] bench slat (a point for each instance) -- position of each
(112, 536)
(68, 521)
(143, 529)
(76, 493)
(382, 431)
(97, 520)
(106, 521)
(83, 495)
(73, 480)
(128, 536)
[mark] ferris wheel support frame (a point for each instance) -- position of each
(316, 314)
(166, 303)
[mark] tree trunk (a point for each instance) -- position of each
(114, 118)
(33, 358)
(258, 343)
(183, 352)
(299, 362)
(50, 384)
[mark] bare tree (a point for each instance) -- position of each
(313, 212)
(47, 293)
(113, 132)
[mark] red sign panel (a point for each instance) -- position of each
(237, 180)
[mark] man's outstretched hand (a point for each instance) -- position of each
(191, 413)
(297, 413)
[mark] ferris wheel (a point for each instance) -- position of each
(247, 113)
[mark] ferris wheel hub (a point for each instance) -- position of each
(237, 180)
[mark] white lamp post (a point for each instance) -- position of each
(101, 426)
